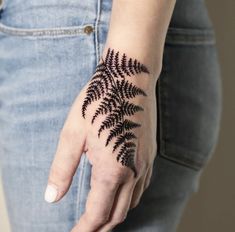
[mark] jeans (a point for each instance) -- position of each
(48, 51)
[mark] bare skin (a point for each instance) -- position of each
(138, 29)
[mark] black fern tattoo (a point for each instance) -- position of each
(109, 84)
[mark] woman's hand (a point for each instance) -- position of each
(113, 120)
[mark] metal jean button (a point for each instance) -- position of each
(88, 29)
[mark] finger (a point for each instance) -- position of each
(68, 153)
(148, 178)
(138, 191)
(120, 206)
(99, 203)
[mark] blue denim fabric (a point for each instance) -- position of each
(48, 51)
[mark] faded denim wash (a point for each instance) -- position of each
(48, 51)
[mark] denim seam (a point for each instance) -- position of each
(97, 45)
(80, 188)
(84, 178)
(85, 158)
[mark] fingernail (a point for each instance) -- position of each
(50, 193)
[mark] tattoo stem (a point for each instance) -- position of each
(122, 102)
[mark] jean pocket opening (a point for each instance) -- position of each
(53, 32)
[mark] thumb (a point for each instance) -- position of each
(69, 151)
(64, 165)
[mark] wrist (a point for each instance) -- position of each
(139, 28)
(151, 60)
(123, 66)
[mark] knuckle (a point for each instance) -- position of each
(122, 174)
(118, 174)
(110, 181)
(107, 179)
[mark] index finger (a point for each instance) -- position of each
(99, 203)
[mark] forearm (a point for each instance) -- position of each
(138, 28)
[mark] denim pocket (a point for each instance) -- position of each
(189, 97)
(37, 19)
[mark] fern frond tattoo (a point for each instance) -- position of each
(109, 84)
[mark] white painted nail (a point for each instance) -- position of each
(51, 193)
